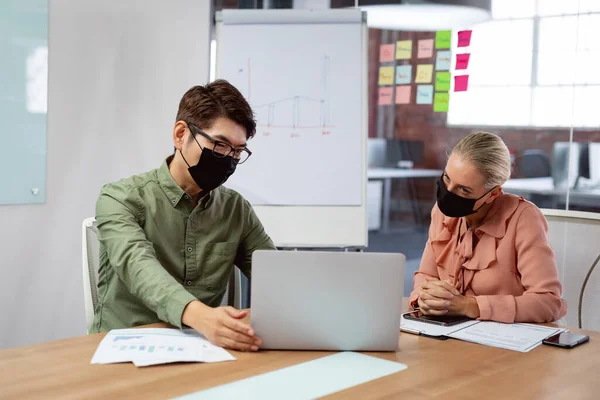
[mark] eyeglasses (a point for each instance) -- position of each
(221, 149)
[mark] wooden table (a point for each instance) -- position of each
(437, 369)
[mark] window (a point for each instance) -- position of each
(534, 64)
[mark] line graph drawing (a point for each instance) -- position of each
(299, 112)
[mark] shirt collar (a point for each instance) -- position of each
(496, 221)
(174, 192)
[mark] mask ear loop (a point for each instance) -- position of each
(195, 140)
(485, 194)
(180, 152)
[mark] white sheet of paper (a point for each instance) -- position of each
(517, 337)
(416, 327)
(154, 346)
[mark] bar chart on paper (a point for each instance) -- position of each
(156, 346)
(141, 345)
(307, 100)
(149, 349)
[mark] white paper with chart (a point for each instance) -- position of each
(153, 346)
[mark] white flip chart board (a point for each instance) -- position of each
(304, 74)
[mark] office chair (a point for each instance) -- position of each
(91, 263)
(589, 298)
(534, 164)
(573, 237)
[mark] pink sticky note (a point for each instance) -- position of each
(461, 83)
(403, 94)
(462, 61)
(425, 48)
(386, 52)
(385, 95)
(464, 38)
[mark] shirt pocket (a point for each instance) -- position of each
(217, 263)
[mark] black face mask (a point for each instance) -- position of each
(452, 205)
(211, 171)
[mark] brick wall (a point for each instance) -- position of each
(419, 122)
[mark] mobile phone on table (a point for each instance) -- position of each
(566, 340)
(443, 320)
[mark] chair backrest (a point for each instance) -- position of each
(376, 152)
(590, 298)
(91, 263)
(534, 164)
(233, 293)
(574, 237)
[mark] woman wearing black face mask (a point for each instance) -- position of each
(488, 255)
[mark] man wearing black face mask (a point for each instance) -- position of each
(170, 237)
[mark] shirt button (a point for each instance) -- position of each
(173, 201)
(187, 197)
(189, 249)
(189, 283)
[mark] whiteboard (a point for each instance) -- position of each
(304, 74)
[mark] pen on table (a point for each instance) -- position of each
(408, 330)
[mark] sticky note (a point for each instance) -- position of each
(403, 74)
(424, 73)
(385, 96)
(403, 94)
(425, 48)
(440, 102)
(442, 39)
(442, 61)
(386, 53)
(462, 61)
(464, 38)
(424, 94)
(442, 81)
(403, 49)
(386, 76)
(461, 83)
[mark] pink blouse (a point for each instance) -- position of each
(507, 263)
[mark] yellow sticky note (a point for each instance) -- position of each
(403, 50)
(424, 73)
(386, 76)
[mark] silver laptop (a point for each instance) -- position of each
(314, 300)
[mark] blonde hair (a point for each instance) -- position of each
(488, 153)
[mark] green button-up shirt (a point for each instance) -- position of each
(158, 252)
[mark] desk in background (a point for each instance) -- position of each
(529, 187)
(526, 187)
(387, 174)
(449, 369)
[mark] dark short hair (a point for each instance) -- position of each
(202, 105)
